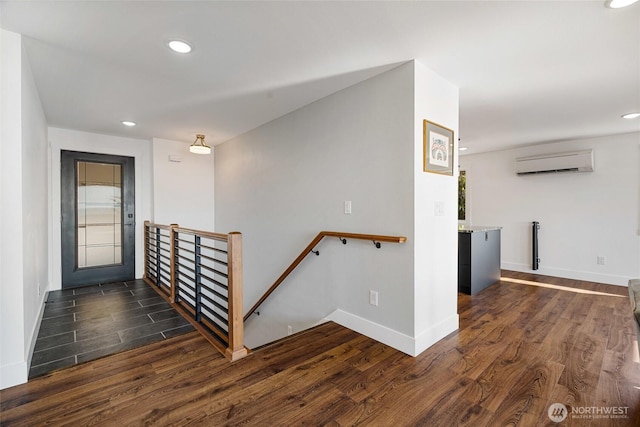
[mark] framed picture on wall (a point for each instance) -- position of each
(439, 148)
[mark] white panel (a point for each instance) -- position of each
(117, 254)
(82, 256)
(575, 161)
(100, 255)
(101, 215)
(82, 235)
(100, 234)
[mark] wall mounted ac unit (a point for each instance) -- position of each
(574, 161)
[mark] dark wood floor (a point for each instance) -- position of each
(520, 348)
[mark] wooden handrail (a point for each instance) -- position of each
(215, 236)
(160, 226)
(376, 238)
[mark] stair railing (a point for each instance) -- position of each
(200, 274)
(375, 238)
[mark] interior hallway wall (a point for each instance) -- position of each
(24, 257)
(285, 181)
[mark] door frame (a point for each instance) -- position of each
(76, 277)
(139, 149)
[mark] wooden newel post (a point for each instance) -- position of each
(236, 349)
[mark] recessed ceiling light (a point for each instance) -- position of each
(617, 4)
(631, 115)
(179, 46)
(128, 123)
(463, 148)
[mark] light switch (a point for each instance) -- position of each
(347, 207)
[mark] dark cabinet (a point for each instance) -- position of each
(478, 258)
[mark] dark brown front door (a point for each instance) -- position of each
(98, 218)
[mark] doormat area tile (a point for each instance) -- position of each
(83, 324)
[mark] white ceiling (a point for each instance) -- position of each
(528, 71)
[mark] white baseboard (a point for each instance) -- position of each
(18, 373)
(589, 276)
(36, 328)
(399, 341)
(13, 374)
(435, 333)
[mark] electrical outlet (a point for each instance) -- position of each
(600, 260)
(289, 329)
(373, 298)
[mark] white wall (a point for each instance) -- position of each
(372, 134)
(23, 211)
(13, 363)
(183, 191)
(436, 237)
(139, 149)
(582, 215)
(35, 205)
(284, 182)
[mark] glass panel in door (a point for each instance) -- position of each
(99, 214)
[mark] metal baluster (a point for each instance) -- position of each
(146, 251)
(158, 271)
(175, 286)
(197, 278)
(535, 259)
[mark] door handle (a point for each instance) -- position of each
(129, 220)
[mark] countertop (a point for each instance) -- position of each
(477, 228)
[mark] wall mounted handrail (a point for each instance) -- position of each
(200, 274)
(375, 238)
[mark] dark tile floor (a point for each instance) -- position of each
(86, 323)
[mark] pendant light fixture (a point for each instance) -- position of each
(199, 146)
